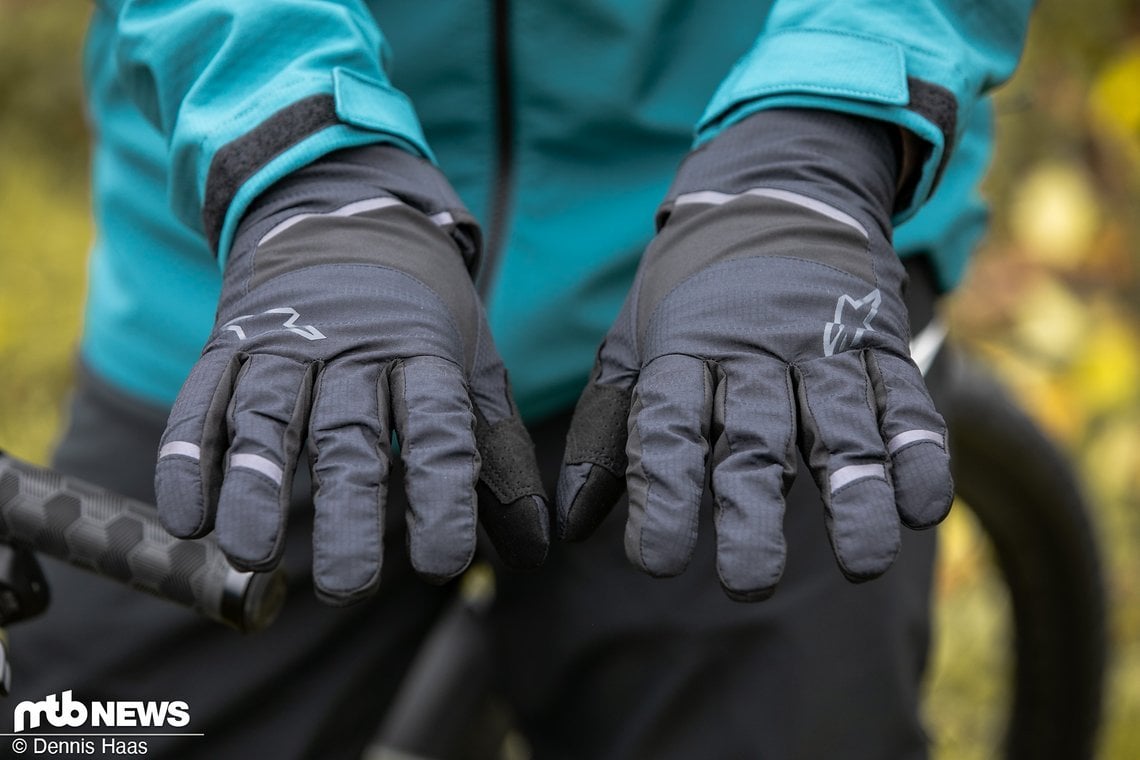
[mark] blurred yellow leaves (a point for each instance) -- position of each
(1073, 362)
(1113, 460)
(1106, 372)
(1049, 320)
(1114, 102)
(1049, 305)
(1055, 214)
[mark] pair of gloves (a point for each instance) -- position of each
(766, 316)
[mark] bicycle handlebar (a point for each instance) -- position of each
(121, 538)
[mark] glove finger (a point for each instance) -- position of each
(350, 446)
(753, 463)
(844, 448)
(435, 425)
(512, 500)
(188, 475)
(916, 441)
(668, 451)
(592, 477)
(267, 417)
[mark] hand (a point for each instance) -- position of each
(767, 314)
(346, 312)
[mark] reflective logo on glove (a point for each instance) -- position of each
(308, 332)
(852, 319)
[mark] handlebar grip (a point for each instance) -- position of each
(121, 538)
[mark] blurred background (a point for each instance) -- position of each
(1052, 304)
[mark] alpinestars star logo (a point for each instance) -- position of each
(242, 331)
(852, 319)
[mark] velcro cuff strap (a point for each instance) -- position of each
(381, 112)
(241, 159)
(378, 107)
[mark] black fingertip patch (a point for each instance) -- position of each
(519, 531)
(595, 461)
(599, 492)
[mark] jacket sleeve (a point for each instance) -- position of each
(921, 64)
(246, 92)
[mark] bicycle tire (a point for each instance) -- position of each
(1028, 501)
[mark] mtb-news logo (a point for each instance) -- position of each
(61, 711)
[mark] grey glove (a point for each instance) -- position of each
(767, 314)
(347, 312)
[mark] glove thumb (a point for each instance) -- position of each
(593, 467)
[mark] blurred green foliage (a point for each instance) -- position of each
(40, 84)
(1053, 303)
(44, 218)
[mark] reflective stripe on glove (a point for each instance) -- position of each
(767, 314)
(347, 315)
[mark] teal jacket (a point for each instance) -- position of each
(559, 123)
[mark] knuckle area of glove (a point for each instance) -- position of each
(373, 308)
(746, 304)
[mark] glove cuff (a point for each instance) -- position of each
(359, 175)
(849, 162)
